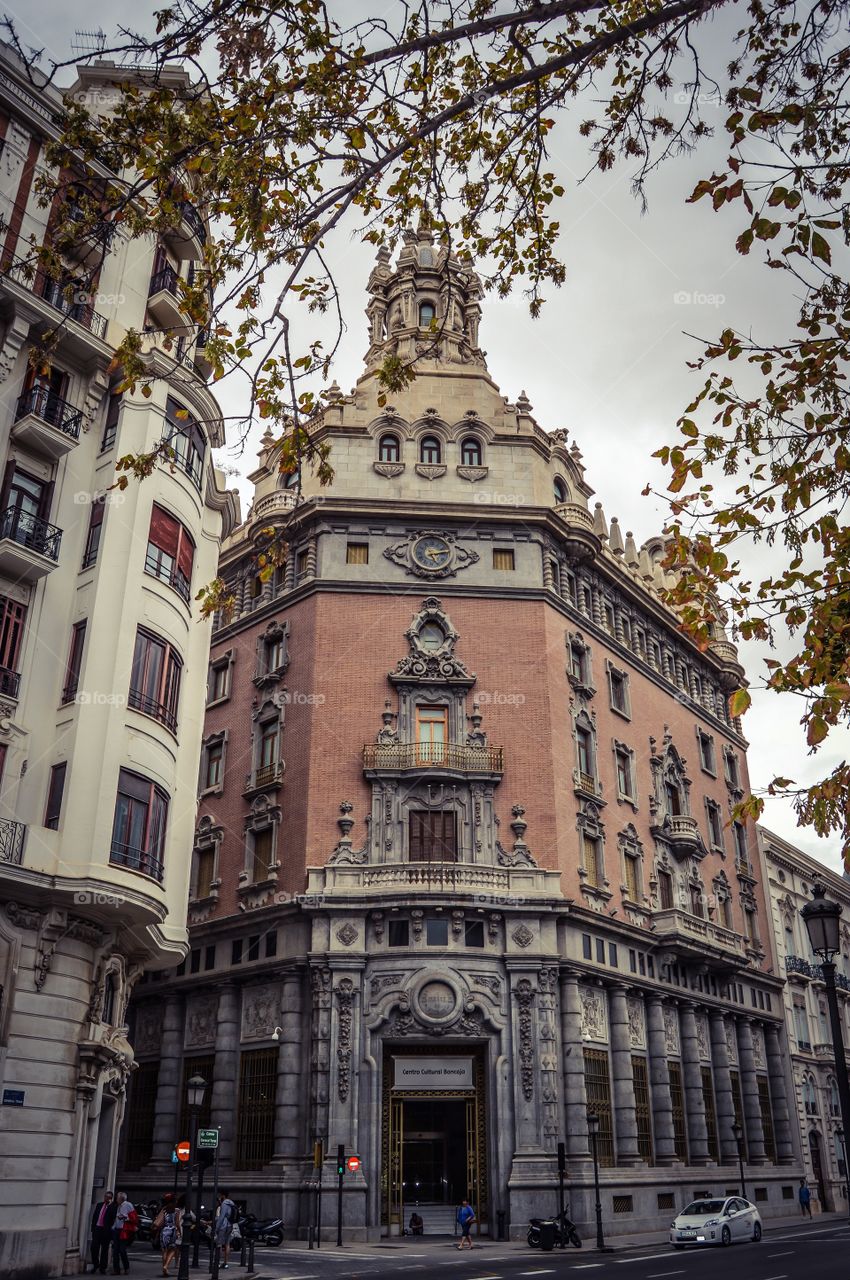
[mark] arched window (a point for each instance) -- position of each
(388, 449)
(290, 481)
(562, 493)
(810, 1096)
(834, 1100)
(430, 451)
(470, 452)
(109, 999)
(427, 313)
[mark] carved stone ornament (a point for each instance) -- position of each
(522, 936)
(731, 1043)
(148, 1031)
(758, 1048)
(472, 474)
(259, 1011)
(637, 1033)
(344, 852)
(520, 854)
(593, 1024)
(383, 981)
(388, 469)
(344, 993)
(201, 1020)
(431, 553)
(671, 1031)
(347, 934)
(702, 1037)
(524, 997)
(489, 982)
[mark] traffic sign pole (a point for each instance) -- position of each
(340, 1173)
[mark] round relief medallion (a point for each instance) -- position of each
(437, 1001)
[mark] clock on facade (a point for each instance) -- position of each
(431, 552)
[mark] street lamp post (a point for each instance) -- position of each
(593, 1130)
(738, 1134)
(821, 917)
(195, 1089)
(839, 1133)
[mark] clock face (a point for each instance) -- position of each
(431, 552)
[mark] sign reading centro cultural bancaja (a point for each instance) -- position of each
(433, 1073)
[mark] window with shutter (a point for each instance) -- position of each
(94, 530)
(170, 553)
(12, 620)
(433, 836)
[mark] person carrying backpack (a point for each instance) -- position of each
(168, 1228)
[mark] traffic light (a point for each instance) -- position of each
(340, 1160)
(353, 1164)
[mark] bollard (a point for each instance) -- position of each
(251, 1256)
(243, 1252)
(310, 1236)
(215, 1258)
(500, 1224)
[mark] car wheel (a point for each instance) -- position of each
(756, 1232)
(725, 1237)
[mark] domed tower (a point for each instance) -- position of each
(464, 862)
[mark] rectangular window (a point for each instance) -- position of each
(665, 890)
(643, 1110)
(271, 944)
(437, 932)
(597, 1085)
(715, 824)
(213, 764)
(13, 618)
(677, 1097)
(766, 1118)
(155, 679)
(586, 946)
(584, 748)
(267, 752)
(357, 553)
(75, 662)
(195, 961)
(185, 440)
(578, 663)
(609, 617)
(697, 907)
(600, 951)
(398, 933)
(612, 955)
(138, 830)
(632, 869)
(706, 752)
(236, 951)
(474, 933)
(732, 773)
(503, 558)
(110, 427)
(204, 871)
(432, 732)
(262, 854)
(592, 859)
(94, 530)
(632, 961)
(171, 552)
(301, 564)
(618, 684)
(710, 1113)
(209, 957)
(253, 947)
(218, 681)
(141, 1115)
(55, 791)
(255, 1108)
(274, 652)
(433, 835)
(738, 1108)
(739, 832)
(625, 785)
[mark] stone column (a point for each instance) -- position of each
(527, 1113)
(722, 1088)
(167, 1113)
(779, 1094)
(659, 1082)
(288, 1140)
(692, 1079)
(750, 1093)
(226, 1072)
(625, 1120)
(575, 1094)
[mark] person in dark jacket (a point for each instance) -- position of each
(102, 1222)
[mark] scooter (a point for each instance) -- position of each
(564, 1231)
(268, 1232)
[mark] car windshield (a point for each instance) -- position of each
(701, 1207)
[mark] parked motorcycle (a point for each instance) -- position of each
(564, 1231)
(268, 1232)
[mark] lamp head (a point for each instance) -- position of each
(821, 917)
(195, 1090)
(592, 1122)
(737, 1131)
(276, 1033)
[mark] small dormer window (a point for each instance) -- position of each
(429, 451)
(427, 313)
(561, 493)
(470, 452)
(388, 449)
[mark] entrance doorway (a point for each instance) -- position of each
(817, 1169)
(434, 1160)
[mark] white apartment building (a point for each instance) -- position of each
(789, 875)
(103, 667)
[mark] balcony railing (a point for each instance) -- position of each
(572, 513)
(151, 707)
(194, 221)
(266, 776)
(158, 569)
(50, 408)
(696, 930)
(164, 279)
(127, 855)
(29, 531)
(10, 683)
(77, 307)
(12, 835)
(437, 875)
(796, 964)
(101, 233)
(433, 755)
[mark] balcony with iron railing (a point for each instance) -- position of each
(90, 238)
(12, 837)
(263, 778)
(29, 546)
(65, 296)
(134, 859)
(10, 683)
(157, 567)
(46, 423)
(796, 966)
(163, 298)
(152, 707)
(431, 757)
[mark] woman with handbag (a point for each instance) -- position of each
(168, 1228)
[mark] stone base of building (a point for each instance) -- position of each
(34, 1253)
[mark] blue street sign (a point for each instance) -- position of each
(13, 1097)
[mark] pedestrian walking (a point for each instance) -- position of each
(804, 1195)
(102, 1222)
(465, 1218)
(168, 1227)
(225, 1218)
(124, 1229)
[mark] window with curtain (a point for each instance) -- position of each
(94, 531)
(75, 661)
(430, 451)
(186, 440)
(155, 678)
(389, 449)
(171, 552)
(138, 829)
(432, 835)
(470, 452)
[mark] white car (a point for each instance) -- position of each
(716, 1222)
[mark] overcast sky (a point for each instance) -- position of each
(607, 358)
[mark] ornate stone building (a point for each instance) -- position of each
(102, 675)
(464, 864)
(790, 876)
